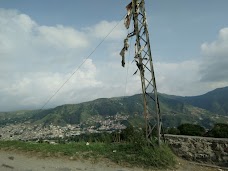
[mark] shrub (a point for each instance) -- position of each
(174, 131)
(220, 130)
(191, 129)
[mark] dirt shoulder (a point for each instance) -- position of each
(18, 161)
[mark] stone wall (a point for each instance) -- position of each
(200, 149)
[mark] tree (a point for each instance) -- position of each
(191, 129)
(220, 130)
(174, 131)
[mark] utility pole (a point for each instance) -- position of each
(143, 59)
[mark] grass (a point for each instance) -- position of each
(124, 153)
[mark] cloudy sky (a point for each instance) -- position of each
(43, 42)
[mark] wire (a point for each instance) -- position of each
(85, 59)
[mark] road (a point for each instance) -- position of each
(17, 161)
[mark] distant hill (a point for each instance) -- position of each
(175, 110)
(215, 101)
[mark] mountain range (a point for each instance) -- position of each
(205, 110)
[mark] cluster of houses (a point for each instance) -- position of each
(29, 131)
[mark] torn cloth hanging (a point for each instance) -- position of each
(124, 49)
(127, 19)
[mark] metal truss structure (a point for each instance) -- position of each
(143, 59)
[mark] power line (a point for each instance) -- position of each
(85, 59)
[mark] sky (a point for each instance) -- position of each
(43, 42)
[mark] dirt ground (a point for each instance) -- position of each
(16, 161)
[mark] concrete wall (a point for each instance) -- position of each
(200, 149)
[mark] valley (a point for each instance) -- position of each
(109, 115)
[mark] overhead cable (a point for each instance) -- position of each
(85, 59)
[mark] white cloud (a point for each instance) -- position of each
(103, 28)
(197, 76)
(36, 60)
(215, 59)
(186, 78)
(63, 37)
(177, 78)
(218, 48)
(27, 46)
(32, 89)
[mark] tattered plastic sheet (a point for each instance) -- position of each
(128, 17)
(124, 49)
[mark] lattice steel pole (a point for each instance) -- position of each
(143, 59)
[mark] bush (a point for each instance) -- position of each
(133, 135)
(173, 131)
(191, 129)
(220, 130)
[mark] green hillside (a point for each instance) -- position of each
(215, 101)
(175, 110)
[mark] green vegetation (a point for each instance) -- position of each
(121, 153)
(130, 148)
(126, 148)
(175, 110)
(191, 129)
(219, 130)
(215, 101)
(173, 131)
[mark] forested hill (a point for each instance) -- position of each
(175, 110)
(215, 101)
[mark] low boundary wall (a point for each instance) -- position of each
(200, 149)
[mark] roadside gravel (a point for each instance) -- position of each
(18, 161)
